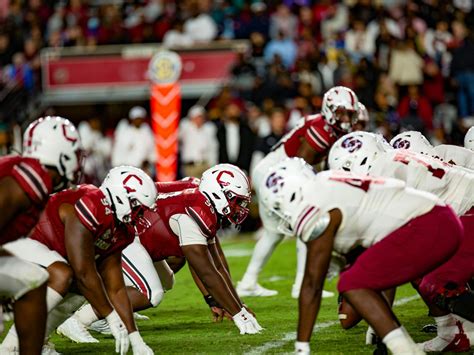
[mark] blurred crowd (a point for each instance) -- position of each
(410, 62)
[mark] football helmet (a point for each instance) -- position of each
(228, 188)
(56, 143)
(355, 152)
(469, 139)
(282, 180)
(337, 98)
(414, 141)
(363, 114)
(130, 191)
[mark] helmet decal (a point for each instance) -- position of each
(401, 143)
(351, 144)
(125, 181)
(219, 176)
(70, 139)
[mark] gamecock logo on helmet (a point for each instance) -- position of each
(220, 175)
(401, 143)
(351, 144)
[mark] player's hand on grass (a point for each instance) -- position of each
(302, 348)
(249, 310)
(119, 331)
(246, 322)
(138, 345)
(218, 314)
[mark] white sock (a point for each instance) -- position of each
(11, 340)
(63, 311)
(86, 315)
(446, 326)
(261, 253)
(53, 298)
(301, 251)
(398, 341)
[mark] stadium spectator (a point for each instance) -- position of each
(416, 110)
(462, 69)
(19, 74)
(200, 26)
(97, 150)
(236, 139)
(198, 141)
(176, 37)
(283, 22)
(406, 65)
(281, 48)
(134, 142)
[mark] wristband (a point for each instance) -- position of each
(211, 302)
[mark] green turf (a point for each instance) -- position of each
(182, 323)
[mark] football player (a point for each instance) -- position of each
(185, 225)
(50, 159)
(310, 140)
(452, 154)
(396, 224)
(80, 236)
(362, 152)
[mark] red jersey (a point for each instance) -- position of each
(172, 186)
(315, 130)
(159, 240)
(35, 181)
(95, 214)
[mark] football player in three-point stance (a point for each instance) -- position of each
(80, 237)
(362, 152)
(395, 223)
(310, 140)
(185, 225)
(50, 159)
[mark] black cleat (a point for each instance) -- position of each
(429, 328)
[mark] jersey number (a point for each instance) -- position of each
(362, 183)
(405, 159)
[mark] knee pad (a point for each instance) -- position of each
(156, 297)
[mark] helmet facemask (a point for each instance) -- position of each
(237, 209)
(137, 217)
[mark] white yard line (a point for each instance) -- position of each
(291, 336)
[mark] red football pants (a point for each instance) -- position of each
(410, 252)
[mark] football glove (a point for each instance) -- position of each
(246, 322)
(119, 332)
(138, 345)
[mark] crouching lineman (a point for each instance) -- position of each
(362, 152)
(81, 235)
(396, 224)
(51, 158)
(185, 225)
(310, 140)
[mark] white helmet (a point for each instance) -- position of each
(355, 152)
(55, 142)
(129, 191)
(469, 139)
(282, 180)
(228, 188)
(413, 141)
(336, 98)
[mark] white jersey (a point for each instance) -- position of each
(456, 155)
(452, 185)
(371, 208)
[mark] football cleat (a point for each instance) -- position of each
(76, 331)
(49, 349)
(457, 343)
(138, 316)
(254, 290)
(295, 293)
(101, 326)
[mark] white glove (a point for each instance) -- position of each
(138, 345)
(119, 332)
(246, 322)
(302, 347)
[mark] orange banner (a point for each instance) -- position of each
(165, 110)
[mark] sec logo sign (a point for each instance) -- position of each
(165, 67)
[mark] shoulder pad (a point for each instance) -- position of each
(200, 209)
(93, 209)
(33, 179)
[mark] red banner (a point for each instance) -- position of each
(115, 70)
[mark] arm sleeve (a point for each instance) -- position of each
(31, 181)
(187, 230)
(87, 214)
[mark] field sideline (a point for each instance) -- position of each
(182, 323)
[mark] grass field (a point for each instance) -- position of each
(182, 323)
